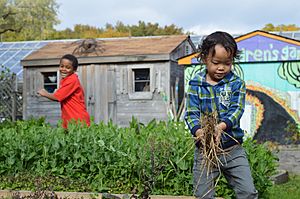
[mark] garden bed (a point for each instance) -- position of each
(105, 158)
(81, 195)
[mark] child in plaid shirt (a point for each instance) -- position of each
(218, 89)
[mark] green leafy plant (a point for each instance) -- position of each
(156, 158)
(263, 165)
(4, 72)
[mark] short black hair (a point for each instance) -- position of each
(218, 37)
(72, 59)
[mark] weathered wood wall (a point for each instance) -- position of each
(143, 109)
(107, 91)
(99, 82)
(33, 104)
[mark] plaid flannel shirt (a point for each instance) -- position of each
(227, 97)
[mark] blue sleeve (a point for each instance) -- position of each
(192, 112)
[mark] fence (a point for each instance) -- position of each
(10, 98)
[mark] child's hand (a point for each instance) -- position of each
(218, 134)
(42, 92)
(219, 129)
(199, 134)
(46, 94)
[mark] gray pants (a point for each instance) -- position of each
(235, 169)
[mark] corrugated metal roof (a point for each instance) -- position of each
(289, 34)
(196, 39)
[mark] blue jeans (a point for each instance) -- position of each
(235, 167)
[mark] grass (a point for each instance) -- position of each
(288, 190)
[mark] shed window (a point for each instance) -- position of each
(50, 81)
(141, 80)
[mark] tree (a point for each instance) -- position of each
(119, 30)
(7, 17)
(85, 31)
(120, 27)
(153, 29)
(35, 20)
(290, 27)
(27, 19)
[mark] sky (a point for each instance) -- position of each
(197, 16)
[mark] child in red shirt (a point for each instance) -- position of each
(70, 94)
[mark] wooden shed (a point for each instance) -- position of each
(122, 77)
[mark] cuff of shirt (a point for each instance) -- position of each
(58, 96)
(194, 129)
(228, 124)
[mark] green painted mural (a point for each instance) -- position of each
(273, 75)
(290, 71)
(268, 95)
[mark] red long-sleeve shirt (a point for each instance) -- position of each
(71, 97)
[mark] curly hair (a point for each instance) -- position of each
(222, 38)
(72, 59)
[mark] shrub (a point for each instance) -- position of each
(263, 165)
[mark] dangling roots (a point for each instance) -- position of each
(210, 147)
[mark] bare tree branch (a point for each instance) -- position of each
(8, 14)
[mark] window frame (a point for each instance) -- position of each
(140, 95)
(43, 73)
